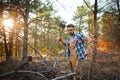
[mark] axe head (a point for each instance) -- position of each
(62, 25)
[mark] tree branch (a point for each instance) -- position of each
(61, 77)
(104, 6)
(60, 4)
(88, 6)
(22, 71)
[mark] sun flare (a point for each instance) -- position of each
(8, 23)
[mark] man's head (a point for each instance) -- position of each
(70, 29)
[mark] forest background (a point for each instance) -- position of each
(31, 28)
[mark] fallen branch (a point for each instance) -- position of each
(61, 77)
(22, 71)
(56, 59)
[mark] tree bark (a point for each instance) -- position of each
(95, 42)
(89, 31)
(2, 27)
(35, 40)
(25, 41)
(10, 42)
(5, 45)
(118, 6)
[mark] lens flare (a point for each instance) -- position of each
(8, 24)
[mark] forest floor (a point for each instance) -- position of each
(106, 67)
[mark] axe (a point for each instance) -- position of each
(61, 25)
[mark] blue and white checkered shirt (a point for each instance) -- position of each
(79, 45)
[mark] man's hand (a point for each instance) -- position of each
(86, 53)
(59, 39)
(62, 41)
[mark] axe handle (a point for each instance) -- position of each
(61, 32)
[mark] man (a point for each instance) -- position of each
(75, 49)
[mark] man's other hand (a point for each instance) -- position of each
(59, 39)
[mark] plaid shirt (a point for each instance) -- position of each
(79, 45)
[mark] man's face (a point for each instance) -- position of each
(70, 30)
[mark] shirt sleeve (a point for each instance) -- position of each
(82, 35)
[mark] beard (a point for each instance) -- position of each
(71, 34)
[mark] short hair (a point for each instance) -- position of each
(70, 25)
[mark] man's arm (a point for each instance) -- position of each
(88, 41)
(62, 41)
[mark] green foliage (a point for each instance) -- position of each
(43, 29)
(111, 26)
(84, 19)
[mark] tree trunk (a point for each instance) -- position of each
(95, 43)
(19, 48)
(16, 33)
(16, 45)
(25, 41)
(12, 32)
(118, 6)
(4, 35)
(5, 45)
(89, 25)
(10, 43)
(35, 40)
